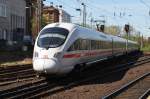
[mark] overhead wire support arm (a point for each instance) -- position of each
(143, 2)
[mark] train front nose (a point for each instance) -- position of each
(45, 66)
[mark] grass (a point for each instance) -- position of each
(29, 53)
(146, 48)
(13, 58)
(14, 63)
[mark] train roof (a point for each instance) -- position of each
(68, 26)
(88, 33)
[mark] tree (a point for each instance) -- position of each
(114, 30)
(34, 26)
(43, 22)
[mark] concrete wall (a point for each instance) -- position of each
(17, 18)
(64, 16)
(14, 20)
(3, 19)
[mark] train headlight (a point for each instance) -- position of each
(57, 55)
(36, 54)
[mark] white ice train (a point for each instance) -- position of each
(60, 47)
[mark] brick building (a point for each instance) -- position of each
(33, 15)
(51, 14)
(54, 14)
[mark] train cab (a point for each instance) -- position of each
(48, 49)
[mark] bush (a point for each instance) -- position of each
(146, 48)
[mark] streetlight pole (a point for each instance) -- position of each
(92, 22)
(84, 14)
(80, 13)
(39, 14)
(103, 21)
(28, 18)
(38, 6)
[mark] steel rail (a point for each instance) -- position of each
(12, 91)
(15, 72)
(78, 82)
(33, 90)
(17, 75)
(145, 95)
(14, 68)
(16, 81)
(125, 87)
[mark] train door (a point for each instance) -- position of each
(85, 50)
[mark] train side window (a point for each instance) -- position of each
(80, 44)
(115, 45)
(83, 44)
(97, 44)
(104, 45)
(93, 45)
(75, 46)
(109, 45)
(88, 44)
(71, 48)
(101, 44)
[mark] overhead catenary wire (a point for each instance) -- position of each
(119, 18)
(61, 2)
(115, 19)
(67, 5)
(143, 2)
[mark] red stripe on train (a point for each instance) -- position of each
(78, 55)
(72, 55)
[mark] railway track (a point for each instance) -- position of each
(133, 89)
(44, 87)
(6, 83)
(81, 80)
(145, 95)
(10, 69)
(15, 73)
(19, 72)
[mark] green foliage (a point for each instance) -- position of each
(146, 48)
(132, 37)
(114, 30)
(43, 22)
(33, 22)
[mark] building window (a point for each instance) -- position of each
(4, 34)
(3, 10)
(1, 35)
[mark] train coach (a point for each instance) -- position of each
(60, 47)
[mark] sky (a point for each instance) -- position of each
(133, 12)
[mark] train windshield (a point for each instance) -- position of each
(52, 37)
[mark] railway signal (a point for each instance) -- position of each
(102, 27)
(127, 28)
